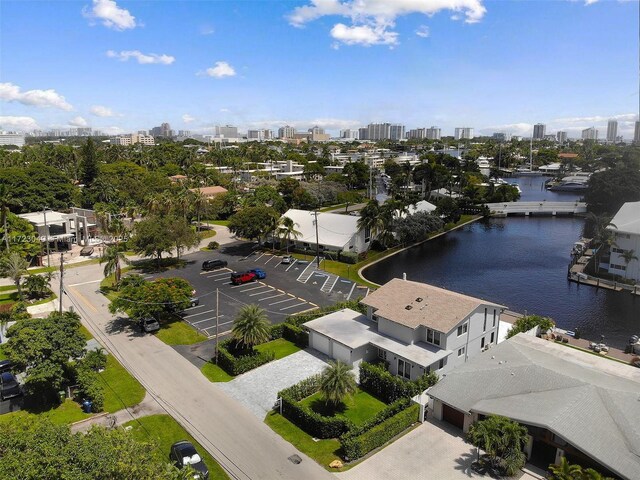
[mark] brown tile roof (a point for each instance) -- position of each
(210, 191)
(568, 155)
(433, 307)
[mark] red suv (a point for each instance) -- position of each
(238, 278)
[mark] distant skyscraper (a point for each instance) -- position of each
(349, 134)
(590, 134)
(417, 133)
(636, 133)
(463, 133)
(502, 136)
(384, 131)
(227, 131)
(539, 131)
(433, 133)
(561, 137)
(286, 132)
(363, 133)
(396, 132)
(316, 130)
(612, 131)
(164, 130)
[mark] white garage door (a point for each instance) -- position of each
(320, 342)
(340, 352)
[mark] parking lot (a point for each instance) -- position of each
(287, 289)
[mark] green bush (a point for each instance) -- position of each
(306, 317)
(213, 245)
(526, 323)
(378, 381)
(349, 257)
(243, 362)
(356, 446)
(295, 334)
(275, 331)
(90, 387)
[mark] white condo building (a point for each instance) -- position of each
(434, 133)
(463, 133)
(349, 134)
(12, 138)
(612, 131)
(287, 132)
(627, 242)
(590, 134)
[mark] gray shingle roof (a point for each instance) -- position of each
(591, 402)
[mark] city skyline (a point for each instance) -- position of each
(113, 66)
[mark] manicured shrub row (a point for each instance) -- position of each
(391, 410)
(311, 422)
(237, 365)
(378, 381)
(295, 334)
(356, 446)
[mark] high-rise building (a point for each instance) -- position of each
(363, 133)
(164, 130)
(612, 131)
(286, 132)
(83, 132)
(349, 134)
(590, 134)
(539, 131)
(316, 130)
(463, 133)
(183, 133)
(636, 133)
(12, 138)
(385, 131)
(227, 131)
(501, 136)
(417, 133)
(396, 132)
(561, 137)
(433, 133)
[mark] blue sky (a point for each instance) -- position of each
(121, 66)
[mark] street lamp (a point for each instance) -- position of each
(46, 233)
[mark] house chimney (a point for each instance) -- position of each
(404, 276)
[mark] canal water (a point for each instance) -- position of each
(520, 262)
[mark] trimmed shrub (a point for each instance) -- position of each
(295, 334)
(378, 381)
(391, 410)
(90, 387)
(213, 245)
(356, 446)
(349, 257)
(237, 365)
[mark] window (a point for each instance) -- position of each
(484, 326)
(482, 343)
(461, 351)
(462, 329)
(367, 234)
(494, 317)
(441, 363)
(492, 333)
(404, 369)
(433, 337)
(382, 354)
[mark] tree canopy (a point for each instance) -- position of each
(254, 222)
(608, 190)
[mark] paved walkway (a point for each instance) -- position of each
(258, 389)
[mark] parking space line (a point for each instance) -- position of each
(221, 333)
(292, 264)
(293, 306)
(261, 293)
(207, 272)
(199, 313)
(216, 275)
(223, 279)
(193, 308)
(254, 288)
(282, 301)
(353, 287)
(272, 257)
(273, 296)
(259, 257)
(207, 320)
(248, 284)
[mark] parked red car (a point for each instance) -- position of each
(238, 278)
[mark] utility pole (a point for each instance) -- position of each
(217, 325)
(46, 235)
(61, 275)
(371, 195)
(315, 212)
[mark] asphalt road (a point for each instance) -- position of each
(244, 446)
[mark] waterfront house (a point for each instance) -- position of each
(627, 239)
(573, 403)
(413, 326)
(335, 232)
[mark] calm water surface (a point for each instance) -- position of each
(520, 262)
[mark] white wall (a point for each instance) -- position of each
(471, 341)
(624, 243)
(395, 330)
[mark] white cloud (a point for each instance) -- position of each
(372, 21)
(142, 58)
(111, 15)
(37, 98)
(18, 123)
(101, 111)
(589, 2)
(521, 129)
(186, 118)
(207, 30)
(224, 110)
(112, 130)
(220, 70)
(423, 31)
(577, 121)
(78, 122)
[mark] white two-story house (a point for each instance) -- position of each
(626, 230)
(413, 326)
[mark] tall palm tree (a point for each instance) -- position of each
(628, 256)
(251, 326)
(287, 229)
(113, 258)
(6, 200)
(13, 266)
(565, 470)
(200, 203)
(370, 218)
(337, 382)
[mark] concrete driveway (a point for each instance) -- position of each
(258, 389)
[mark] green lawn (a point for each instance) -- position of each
(359, 408)
(165, 431)
(279, 346)
(85, 333)
(11, 297)
(2, 355)
(8, 288)
(67, 412)
(323, 451)
(34, 271)
(222, 223)
(178, 332)
(214, 373)
(120, 389)
(207, 234)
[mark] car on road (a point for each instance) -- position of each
(184, 454)
(287, 259)
(9, 386)
(259, 273)
(213, 264)
(238, 278)
(195, 301)
(6, 366)
(149, 324)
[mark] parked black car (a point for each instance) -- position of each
(6, 366)
(213, 264)
(183, 453)
(9, 386)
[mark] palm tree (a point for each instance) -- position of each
(628, 256)
(251, 326)
(287, 230)
(6, 200)
(200, 203)
(113, 257)
(37, 286)
(565, 470)
(502, 440)
(370, 218)
(13, 266)
(337, 382)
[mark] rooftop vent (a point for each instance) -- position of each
(408, 307)
(419, 299)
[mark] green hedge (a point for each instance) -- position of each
(295, 334)
(391, 410)
(357, 446)
(378, 381)
(90, 387)
(306, 317)
(237, 365)
(349, 257)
